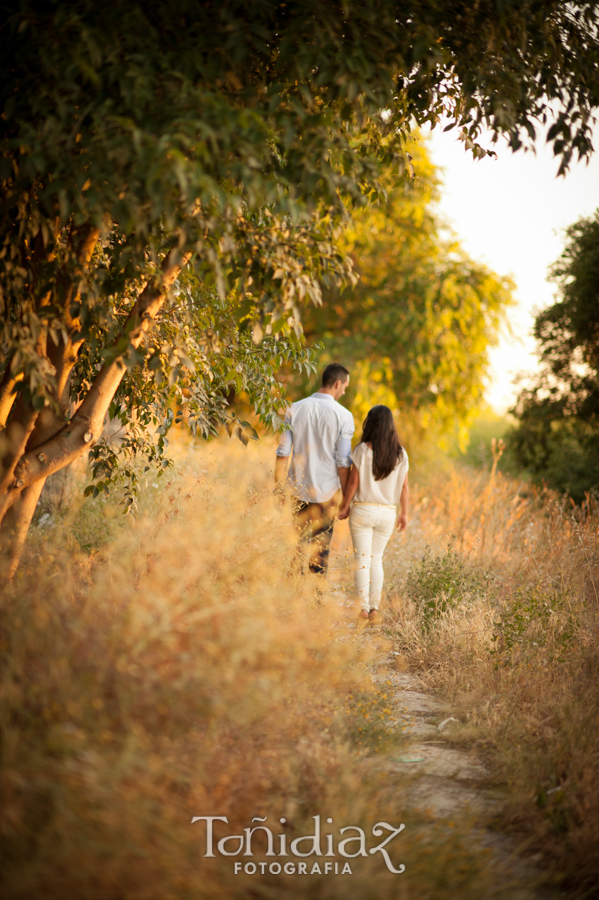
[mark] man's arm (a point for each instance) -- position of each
(343, 474)
(343, 452)
(283, 453)
(281, 466)
(404, 502)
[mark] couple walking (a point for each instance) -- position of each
(327, 481)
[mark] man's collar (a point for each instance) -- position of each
(328, 396)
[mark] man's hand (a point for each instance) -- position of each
(343, 512)
(402, 523)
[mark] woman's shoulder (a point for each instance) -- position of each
(360, 450)
(402, 460)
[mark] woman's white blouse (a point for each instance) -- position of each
(388, 490)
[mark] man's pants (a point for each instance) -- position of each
(371, 526)
(314, 522)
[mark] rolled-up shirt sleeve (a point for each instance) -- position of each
(286, 439)
(343, 453)
(343, 458)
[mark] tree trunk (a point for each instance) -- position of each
(54, 443)
(27, 428)
(15, 526)
(16, 436)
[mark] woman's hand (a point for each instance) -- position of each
(402, 523)
(343, 511)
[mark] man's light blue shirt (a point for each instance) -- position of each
(319, 435)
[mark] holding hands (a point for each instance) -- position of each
(349, 492)
(343, 510)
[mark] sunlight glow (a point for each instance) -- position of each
(510, 213)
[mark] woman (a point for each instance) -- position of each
(379, 481)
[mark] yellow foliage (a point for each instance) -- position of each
(416, 328)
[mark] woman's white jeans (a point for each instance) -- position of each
(371, 526)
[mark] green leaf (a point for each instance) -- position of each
(250, 431)
(242, 436)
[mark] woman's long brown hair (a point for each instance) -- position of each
(379, 430)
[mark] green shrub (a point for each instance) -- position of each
(536, 617)
(437, 583)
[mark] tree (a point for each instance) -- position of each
(417, 326)
(141, 142)
(557, 437)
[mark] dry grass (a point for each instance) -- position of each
(180, 666)
(516, 649)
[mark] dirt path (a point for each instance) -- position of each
(442, 783)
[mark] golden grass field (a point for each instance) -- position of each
(179, 665)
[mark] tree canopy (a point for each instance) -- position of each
(416, 328)
(161, 159)
(557, 437)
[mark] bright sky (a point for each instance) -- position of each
(510, 214)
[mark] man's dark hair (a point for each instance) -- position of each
(334, 372)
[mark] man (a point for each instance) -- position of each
(319, 435)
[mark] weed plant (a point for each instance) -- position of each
(371, 718)
(536, 617)
(438, 582)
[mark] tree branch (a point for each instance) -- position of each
(86, 241)
(17, 432)
(86, 425)
(8, 394)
